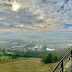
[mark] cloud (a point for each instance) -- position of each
(36, 15)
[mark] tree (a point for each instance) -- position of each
(0, 54)
(44, 47)
(55, 58)
(48, 58)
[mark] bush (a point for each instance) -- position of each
(49, 58)
(14, 57)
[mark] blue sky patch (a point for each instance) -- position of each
(67, 25)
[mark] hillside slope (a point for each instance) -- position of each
(26, 65)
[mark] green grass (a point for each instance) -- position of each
(4, 59)
(26, 65)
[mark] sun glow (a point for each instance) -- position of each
(16, 6)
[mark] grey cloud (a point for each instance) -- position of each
(34, 13)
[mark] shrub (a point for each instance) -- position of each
(49, 58)
(14, 57)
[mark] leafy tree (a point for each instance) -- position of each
(0, 54)
(48, 58)
(44, 47)
(55, 58)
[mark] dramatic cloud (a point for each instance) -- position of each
(36, 15)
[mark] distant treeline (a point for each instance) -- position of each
(51, 56)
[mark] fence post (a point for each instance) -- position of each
(62, 65)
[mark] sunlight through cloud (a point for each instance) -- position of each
(16, 6)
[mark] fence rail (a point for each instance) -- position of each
(61, 61)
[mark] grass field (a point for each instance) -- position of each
(26, 65)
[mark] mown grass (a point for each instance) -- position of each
(26, 65)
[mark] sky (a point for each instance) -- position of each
(36, 16)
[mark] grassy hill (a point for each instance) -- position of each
(26, 65)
